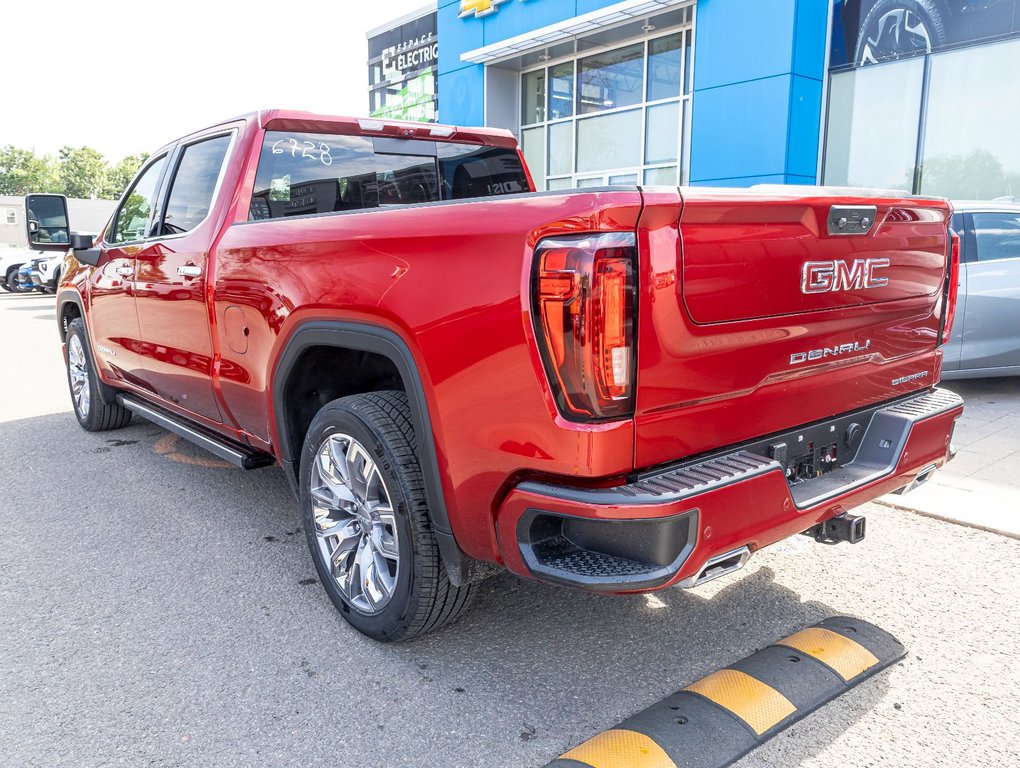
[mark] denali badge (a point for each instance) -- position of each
(838, 275)
(821, 354)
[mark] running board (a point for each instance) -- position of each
(243, 456)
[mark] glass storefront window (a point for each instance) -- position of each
(664, 67)
(561, 148)
(661, 177)
(662, 133)
(607, 141)
(971, 144)
(598, 181)
(533, 97)
(614, 117)
(561, 90)
(872, 125)
(611, 79)
(533, 147)
(623, 180)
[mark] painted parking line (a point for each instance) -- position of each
(720, 718)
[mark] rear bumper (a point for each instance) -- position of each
(665, 526)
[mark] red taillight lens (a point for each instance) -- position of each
(953, 287)
(584, 318)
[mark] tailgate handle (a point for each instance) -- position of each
(851, 219)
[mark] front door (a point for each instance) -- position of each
(991, 315)
(113, 324)
(171, 280)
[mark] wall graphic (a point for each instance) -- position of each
(871, 31)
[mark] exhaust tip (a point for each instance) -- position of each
(717, 566)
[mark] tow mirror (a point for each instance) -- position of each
(46, 219)
(84, 250)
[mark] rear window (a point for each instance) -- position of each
(305, 173)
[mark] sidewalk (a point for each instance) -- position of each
(981, 486)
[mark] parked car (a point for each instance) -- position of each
(11, 262)
(44, 272)
(616, 389)
(986, 335)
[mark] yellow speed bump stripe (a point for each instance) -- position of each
(843, 655)
(717, 720)
(754, 702)
(620, 748)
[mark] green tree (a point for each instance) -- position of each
(119, 175)
(22, 172)
(82, 172)
(977, 175)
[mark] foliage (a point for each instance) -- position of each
(976, 175)
(21, 172)
(77, 172)
(120, 174)
(82, 172)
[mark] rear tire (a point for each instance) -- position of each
(381, 567)
(88, 394)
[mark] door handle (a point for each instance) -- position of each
(124, 271)
(189, 270)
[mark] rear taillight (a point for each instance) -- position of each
(952, 287)
(584, 300)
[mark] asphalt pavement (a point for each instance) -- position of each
(160, 609)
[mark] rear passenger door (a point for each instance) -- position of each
(171, 280)
(991, 315)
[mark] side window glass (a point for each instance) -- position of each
(997, 235)
(132, 220)
(193, 186)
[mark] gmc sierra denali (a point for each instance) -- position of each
(616, 389)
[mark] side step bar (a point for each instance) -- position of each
(243, 456)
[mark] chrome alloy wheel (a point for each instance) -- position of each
(896, 33)
(78, 370)
(355, 526)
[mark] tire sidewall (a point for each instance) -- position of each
(338, 417)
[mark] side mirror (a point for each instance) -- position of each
(83, 250)
(46, 219)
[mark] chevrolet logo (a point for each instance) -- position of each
(478, 7)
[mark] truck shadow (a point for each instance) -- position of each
(528, 672)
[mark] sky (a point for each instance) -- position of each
(129, 77)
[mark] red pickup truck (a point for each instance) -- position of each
(615, 389)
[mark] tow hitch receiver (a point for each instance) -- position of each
(842, 527)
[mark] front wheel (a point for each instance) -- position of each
(367, 523)
(91, 408)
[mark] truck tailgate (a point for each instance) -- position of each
(760, 313)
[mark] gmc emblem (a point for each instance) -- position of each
(838, 275)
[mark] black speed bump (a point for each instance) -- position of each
(722, 717)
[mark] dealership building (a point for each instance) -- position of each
(917, 95)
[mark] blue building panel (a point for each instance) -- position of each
(805, 125)
(740, 41)
(456, 35)
(812, 18)
(740, 130)
(462, 96)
